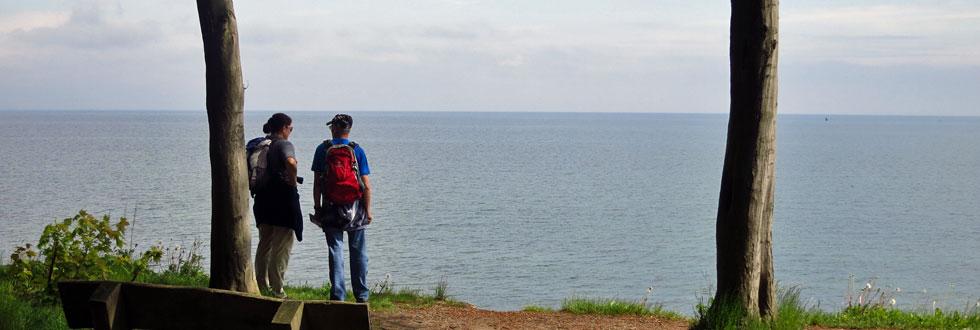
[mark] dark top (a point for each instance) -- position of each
(279, 151)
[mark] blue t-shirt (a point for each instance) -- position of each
(320, 157)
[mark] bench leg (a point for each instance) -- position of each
(106, 305)
(288, 316)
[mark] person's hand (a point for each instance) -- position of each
(369, 217)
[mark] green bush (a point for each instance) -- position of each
(82, 247)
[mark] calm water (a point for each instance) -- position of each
(517, 209)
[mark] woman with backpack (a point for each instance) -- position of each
(277, 210)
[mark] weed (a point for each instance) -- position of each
(440, 290)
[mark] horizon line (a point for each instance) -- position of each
(497, 111)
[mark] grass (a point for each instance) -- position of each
(537, 309)
(793, 314)
(15, 313)
(18, 313)
(896, 319)
(171, 278)
(609, 307)
(378, 300)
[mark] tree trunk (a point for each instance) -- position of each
(744, 227)
(231, 265)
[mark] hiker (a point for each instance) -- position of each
(277, 210)
(342, 203)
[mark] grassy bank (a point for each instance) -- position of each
(89, 248)
(19, 313)
(793, 314)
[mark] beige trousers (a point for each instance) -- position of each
(272, 257)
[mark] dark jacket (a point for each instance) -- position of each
(278, 205)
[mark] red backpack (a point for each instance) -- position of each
(343, 177)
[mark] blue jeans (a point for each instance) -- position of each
(358, 264)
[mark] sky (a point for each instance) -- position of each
(836, 57)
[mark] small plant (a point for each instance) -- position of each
(440, 290)
(185, 262)
(81, 247)
(382, 287)
(182, 267)
(870, 296)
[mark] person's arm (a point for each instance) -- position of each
(367, 198)
(317, 189)
(318, 169)
(291, 170)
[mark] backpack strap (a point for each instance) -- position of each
(357, 166)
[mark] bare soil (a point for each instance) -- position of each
(442, 316)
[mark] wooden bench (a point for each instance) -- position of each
(128, 305)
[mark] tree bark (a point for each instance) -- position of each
(231, 266)
(744, 225)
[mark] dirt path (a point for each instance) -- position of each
(448, 317)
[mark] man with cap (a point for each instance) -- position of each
(343, 206)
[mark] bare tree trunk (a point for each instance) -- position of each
(744, 227)
(231, 265)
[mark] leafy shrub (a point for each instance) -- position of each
(82, 247)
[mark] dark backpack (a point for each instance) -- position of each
(342, 179)
(256, 154)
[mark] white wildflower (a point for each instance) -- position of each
(868, 286)
(898, 289)
(893, 302)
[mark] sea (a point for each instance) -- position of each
(516, 209)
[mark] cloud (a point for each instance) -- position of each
(97, 55)
(89, 26)
(30, 20)
(434, 55)
(884, 34)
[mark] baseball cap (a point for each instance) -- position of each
(341, 120)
